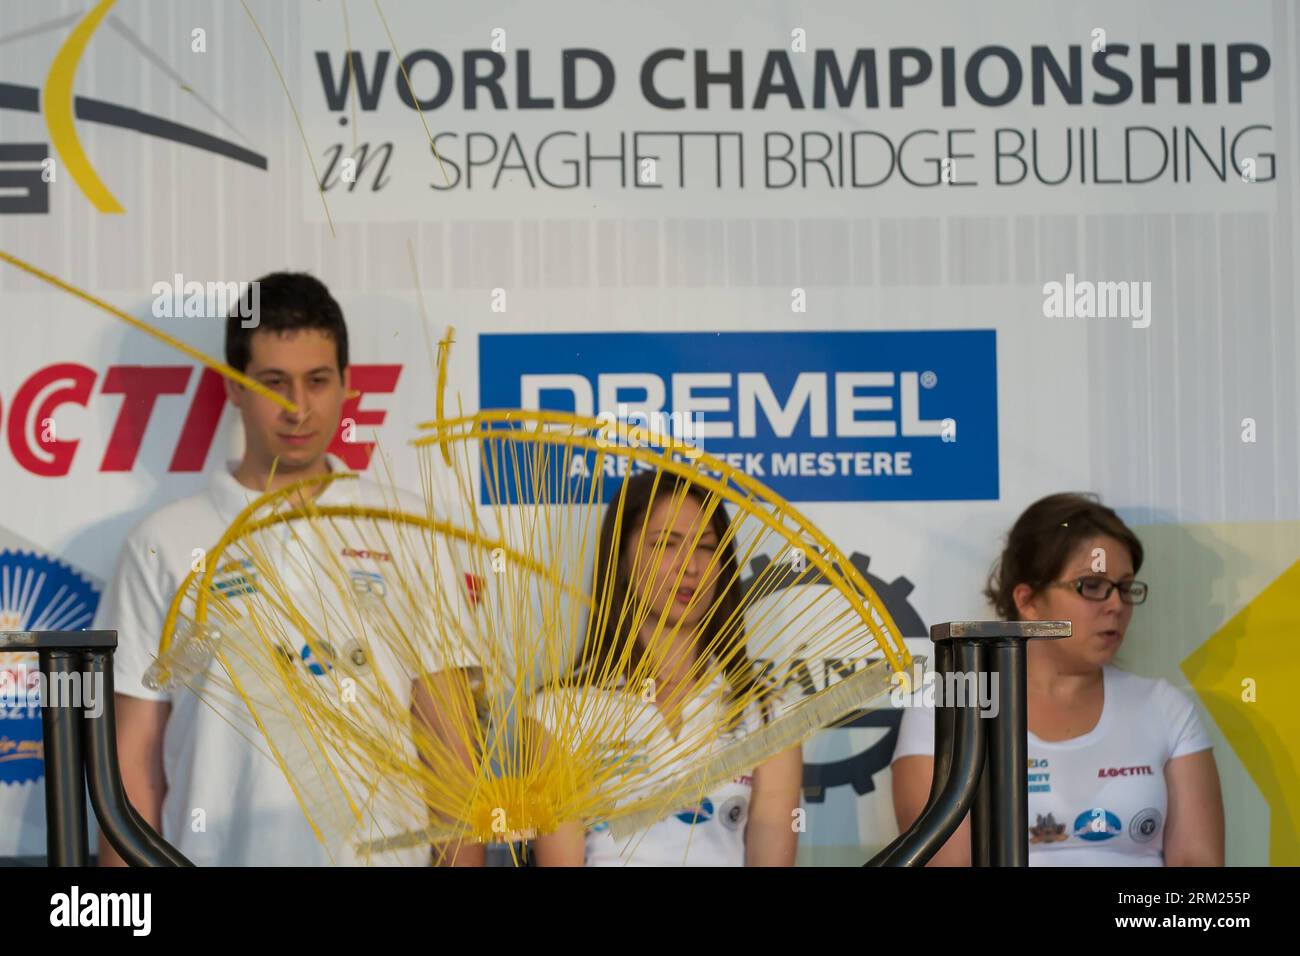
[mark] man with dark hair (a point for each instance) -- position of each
(297, 346)
(190, 774)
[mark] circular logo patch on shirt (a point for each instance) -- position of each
(693, 815)
(1096, 825)
(1145, 825)
(360, 660)
(732, 814)
(318, 665)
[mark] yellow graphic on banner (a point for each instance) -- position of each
(57, 100)
(1245, 675)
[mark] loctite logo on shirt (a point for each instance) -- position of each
(1124, 772)
(362, 554)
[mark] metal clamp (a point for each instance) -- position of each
(981, 762)
(81, 753)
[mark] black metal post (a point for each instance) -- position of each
(66, 841)
(945, 717)
(981, 818)
(81, 751)
(943, 814)
(1008, 756)
(981, 762)
(134, 840)
(945, 744)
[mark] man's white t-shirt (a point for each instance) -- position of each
(1099, 799)
(708, 833)
(227, 802)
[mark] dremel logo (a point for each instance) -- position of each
(816, 416)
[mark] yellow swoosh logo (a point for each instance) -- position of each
(56, 103)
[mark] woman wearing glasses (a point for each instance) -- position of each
(1120, 770)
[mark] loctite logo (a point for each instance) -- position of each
(1124, 772)
(30, 416)
(363, 555)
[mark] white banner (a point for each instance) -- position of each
(915, 267)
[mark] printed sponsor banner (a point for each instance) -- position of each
(817, 416)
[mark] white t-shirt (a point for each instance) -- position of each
(1099, 799)
(708, 833)
(227, 802)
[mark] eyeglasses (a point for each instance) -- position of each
(1097, 588)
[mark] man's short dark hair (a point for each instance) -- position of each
(286, 301)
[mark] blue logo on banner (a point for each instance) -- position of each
(38, 593)
(816, 416)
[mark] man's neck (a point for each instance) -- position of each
(268, 477)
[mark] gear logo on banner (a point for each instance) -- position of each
(859, 769)
(36, 593)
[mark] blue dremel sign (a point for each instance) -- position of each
(816, 416)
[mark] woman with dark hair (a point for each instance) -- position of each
(670, 655)
(1120, 770)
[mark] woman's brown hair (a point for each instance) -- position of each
(1042, 540)
(623, 525)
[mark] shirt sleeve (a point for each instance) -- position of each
(135, 605)
(1186, 732)
(916, 732)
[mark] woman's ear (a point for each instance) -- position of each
(1024, 598)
